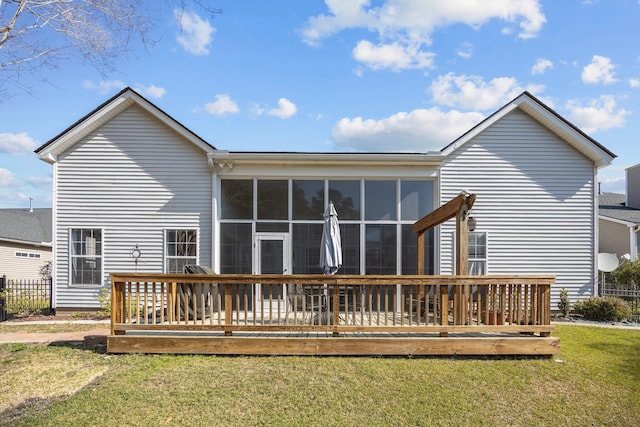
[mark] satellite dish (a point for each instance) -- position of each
(607, 262)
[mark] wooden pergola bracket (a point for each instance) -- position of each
(459, 208)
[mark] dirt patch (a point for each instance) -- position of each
(58, 318)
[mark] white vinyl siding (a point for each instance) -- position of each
(535, 196)
(133, 177)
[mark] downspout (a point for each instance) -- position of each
(633, 241)
(596, 233)
(215, 226)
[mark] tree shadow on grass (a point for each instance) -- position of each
(625, 357)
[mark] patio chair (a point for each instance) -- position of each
(194, 292)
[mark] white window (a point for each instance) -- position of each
(32, 255)
(181, 248)
(86, 256)
(477, 253)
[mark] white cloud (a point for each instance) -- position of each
(601, 70)
(420, 130)
(104, 86)
(394, 56)
(39, 180)
(541, 66)
(150, 91)
(612, 178)
(411, 23)
(17, 143)
(598, 114)
(109, 86)
(285, 109)
(466, 51)
(7, 179)
(221, 106)
(634, 83)
(196, 34)
(473, 93)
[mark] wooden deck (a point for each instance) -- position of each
(331, 315)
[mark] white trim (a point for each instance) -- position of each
(534, 109)
(164, 245)
(29, 254)
(26, 242)
(617, 221)
(228, 160)
(71, 256)
(107, 112)
(633, 243)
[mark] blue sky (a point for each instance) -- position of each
(343, 76)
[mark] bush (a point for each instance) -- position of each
(104, 298)
(628, 273)
(564, 304)
(603, 309)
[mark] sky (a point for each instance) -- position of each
(348, 76)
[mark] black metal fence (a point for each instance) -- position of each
(24, 297)
(629, 293)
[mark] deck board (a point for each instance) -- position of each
(322, 344)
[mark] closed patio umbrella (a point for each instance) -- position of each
(331, 246)
(330, 251)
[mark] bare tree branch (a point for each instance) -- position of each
(38, 34)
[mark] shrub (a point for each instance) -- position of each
(564, 304)
(603, 308)
(104, 298)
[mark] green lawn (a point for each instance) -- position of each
(595, 382)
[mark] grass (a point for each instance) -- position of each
(596, 382)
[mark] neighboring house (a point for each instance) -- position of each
(619, 218)
(136, 190)
(25, 242)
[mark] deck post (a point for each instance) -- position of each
(462, 264)
(228, 309)
(336, 309)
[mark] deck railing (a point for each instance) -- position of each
(336, 304)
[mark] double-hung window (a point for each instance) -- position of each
(181, 248)
(86, 256)
(477, 253)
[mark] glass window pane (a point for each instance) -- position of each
(308, 199)
(236, 198)
(86, 252)
(409, 240)
(380, 250)
(306, 248)
(380, 200)
(273, 200)
(282, 227)
(417, 199)
(235, 248)
(350, 238)
(477, 245)
(345, 196)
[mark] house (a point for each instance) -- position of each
(25, 242)
(619, 218)
(134, 190)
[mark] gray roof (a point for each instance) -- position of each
(24, 226)
(613, 205)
